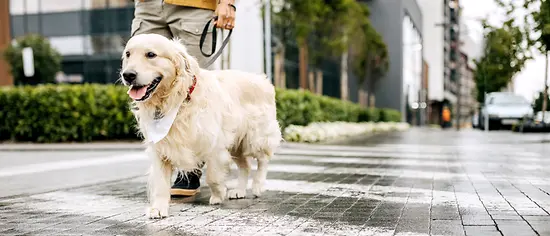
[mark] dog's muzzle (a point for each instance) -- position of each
(141, 93)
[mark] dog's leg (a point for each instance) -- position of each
(244, 171)
(159, 187)
(259, 178)
(216, 171)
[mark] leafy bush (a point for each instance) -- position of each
(370, 114)
(47, 61)
(54, 113)
(390, 115)
(59, 113)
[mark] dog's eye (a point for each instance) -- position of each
(127, 53)
(150, 55)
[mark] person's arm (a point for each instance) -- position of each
(226, 14)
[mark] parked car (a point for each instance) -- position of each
(504, 109)
(534, 124)
(538, 117)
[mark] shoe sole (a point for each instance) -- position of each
(184, 192)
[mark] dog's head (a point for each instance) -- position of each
(151, 64)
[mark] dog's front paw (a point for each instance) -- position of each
(236, 193)
(215, 200)
(155, 213)
(257, 190)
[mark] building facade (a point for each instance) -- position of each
(468, 101)
(91, 34)
(434, 33)
(470, 51)
(400, 24)
(442, 34)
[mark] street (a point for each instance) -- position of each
(419, 182)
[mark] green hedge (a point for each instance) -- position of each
(58, 113)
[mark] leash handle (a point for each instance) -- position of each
(214, 37)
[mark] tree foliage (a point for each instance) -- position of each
(537, 104)
(369, 55)
(506, 50)
(331, 27)
(329, 37)
(47, 61)
(304, 16)
(538, 17)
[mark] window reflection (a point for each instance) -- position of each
(107, 44)
(412, 64)
(89, 45)
(412, 60)
(21, 7)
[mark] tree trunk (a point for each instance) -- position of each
(372, 100)
(319, 82)
(363, 97)
(303, 65)
(368, 80)
(545, 92)
(344, 76)
(277, 75)
(311, 81)
(283, 71)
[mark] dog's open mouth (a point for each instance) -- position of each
(143, 92)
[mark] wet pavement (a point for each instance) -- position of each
(421, 182)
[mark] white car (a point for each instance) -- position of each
(504, 109)
(538, 117)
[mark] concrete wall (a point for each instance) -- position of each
(387, 17)
(246, 48)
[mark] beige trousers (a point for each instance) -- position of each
(186, 23)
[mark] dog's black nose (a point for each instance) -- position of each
(129, 76)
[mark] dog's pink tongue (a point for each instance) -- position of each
(137, 93)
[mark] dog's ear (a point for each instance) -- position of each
(184, 62)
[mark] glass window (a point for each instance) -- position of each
(412, 61)
(51, 22)
(70, 45)
(89, 45)
(120, 3)
(53, 6)
(508, 100)
(107, 44)
(96, 4)
(20, 7)
(17, 7)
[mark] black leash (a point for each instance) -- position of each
(214, 37)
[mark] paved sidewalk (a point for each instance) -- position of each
(396, 187)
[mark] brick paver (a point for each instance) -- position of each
(415, 183)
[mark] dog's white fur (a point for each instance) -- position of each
(231, 116)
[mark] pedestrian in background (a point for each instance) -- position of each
(446, 117)
(184, 19)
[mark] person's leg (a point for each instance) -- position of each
(187, 24)
(148, 19)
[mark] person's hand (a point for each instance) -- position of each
(226, 14)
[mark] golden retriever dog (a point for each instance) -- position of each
(220, 116)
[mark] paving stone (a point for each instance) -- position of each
(447, 227)
(420, 226)
(542, 227)
(477, 220)
(515, 228)
(412, 183)
(481, 231)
